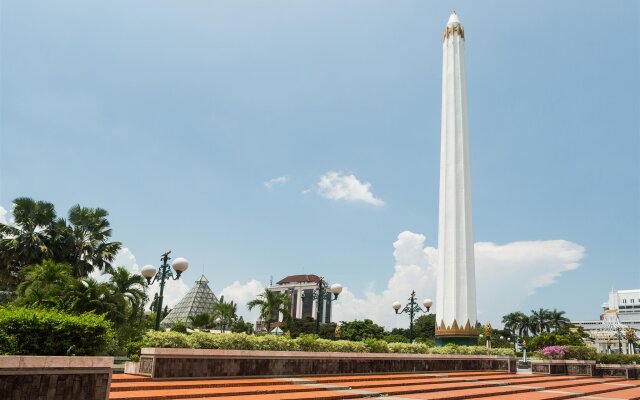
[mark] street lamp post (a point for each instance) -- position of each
(149, 272)
(323, 293)
(222, 324)
(412, 308)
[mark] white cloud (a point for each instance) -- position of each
(3, 212)
(338, 186)
(124, 258)
(512, 271)
(280, 180)
(174, 291)
(242, 294)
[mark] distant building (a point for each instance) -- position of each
(621, 311)
(199, 300)
(627, 302)
(301, 289)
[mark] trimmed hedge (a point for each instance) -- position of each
(240, 341)
(28, 331)
(618, 358)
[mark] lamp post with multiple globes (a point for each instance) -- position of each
(152, 275)
(412, 308)
(323, 293)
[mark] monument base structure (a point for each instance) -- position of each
(466, 335)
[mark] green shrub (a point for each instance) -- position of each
(546, 339)
(305, 342)
(272, 343)
(395, 338)
(133, 349)
(580, 353)
(376, 346)
(174, 340)
(618, 358)
(8, 344)
(347, 346)
(29, 331)
(407, 348)
(179, 327)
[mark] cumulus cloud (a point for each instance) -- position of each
(517, 269)
(124, 258)
(242, 293)
(339, 186)
(174, 291)
(280, 180)
(3, 213)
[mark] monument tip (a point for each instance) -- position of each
(453, 18)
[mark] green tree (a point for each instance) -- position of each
(270, 304)
(88, 240)
(26, 242)
(90, 295)
(226, 311)
(37, 234)
(200, 321)
(129, 287)
(540, 321)
(424, 326)
(558, 321)
(242, 327)
(360, 330)
(553, 339)
(46, 284)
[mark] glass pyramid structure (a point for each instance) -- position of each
(199, 300)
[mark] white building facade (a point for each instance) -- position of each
(301, 289)
(620, 312)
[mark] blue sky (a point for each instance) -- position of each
(173, 115)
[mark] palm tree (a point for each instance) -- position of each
(558, 321)
(90, 247)
(131, 287)
(45, 284)
(540, 319)
(270, 304)
(517, 323)
(528, 325)
(26, 241)
(91, 295)
(200, 320)
(227, 312)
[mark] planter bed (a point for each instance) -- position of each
(630, 371)
(53, 378)
(165, 363)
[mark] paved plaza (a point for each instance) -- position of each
(441, 386)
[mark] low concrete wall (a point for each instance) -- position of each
(199, 363)
(54, 378)
(618, 370)
(563, 367)
(584, 367)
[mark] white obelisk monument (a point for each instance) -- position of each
(456, 293)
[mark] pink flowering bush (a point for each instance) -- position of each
(553, 352)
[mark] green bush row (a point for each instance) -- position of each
(589, 353)
(238, 341)
(618, 358)
(29, 331)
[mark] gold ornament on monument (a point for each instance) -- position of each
(487, 330)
